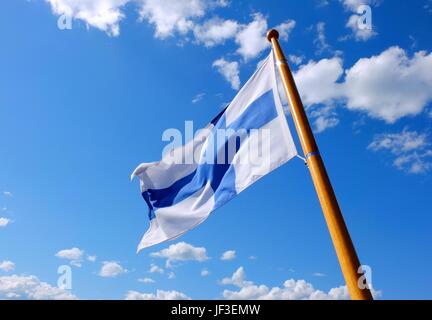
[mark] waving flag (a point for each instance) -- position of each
(246, 141)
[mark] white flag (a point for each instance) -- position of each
(246, 141)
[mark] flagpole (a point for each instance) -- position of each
(342, 242)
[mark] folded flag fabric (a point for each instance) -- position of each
(246, 141)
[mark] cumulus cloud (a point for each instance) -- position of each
(411, 150)
(4, 222)
(146, 280)
(7, 266)
(215, 31)
(228, 255)
(111, 269)
(388, 86)
(229, 70)
(204, 272)
(291, 290)
(101, 14)
(357, 7)
(91, 258)
(30, 287)
(155, 269)
(181, 251)
(8, 194)
(160, 295)
(251, 38)
(74, 255)
(172, 16)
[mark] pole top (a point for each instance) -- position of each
(272, 34)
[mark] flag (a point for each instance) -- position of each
(247, 140)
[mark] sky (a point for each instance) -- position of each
(87, 89)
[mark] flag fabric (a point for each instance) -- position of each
(247, 140)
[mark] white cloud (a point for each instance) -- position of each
(146, 280)
(411, 150)
(215, 31)
(229, 70)
(204, 272)
(160, 295)
(181, 251)
(91, 258)
(318, 274)
(198, 98)
(391, 85)
(252, 37)
(285, 29)
(171, 275)
(101, 14)
(8, 194)
(7, 266)
(228, 255)
(360, 34)
(111, 269)
(388, 86)
(171, 16)
(30, 287)
(155, 269)
(4, 222)
(70, 254)
(74, 255)
(291, 290)
(296, 59)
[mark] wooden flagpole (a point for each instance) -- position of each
(342, 242)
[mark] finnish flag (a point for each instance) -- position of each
(246, 141)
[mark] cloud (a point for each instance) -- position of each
(198, 98)
(155, 269)
(160, 295)
(171, 275)
(7, 266)
(391, 85)
(285, 29)
(321, 41)
(146, 280)
(30, 287)
(4, 222)
(356, 6)
(291, 290)
(229, 70)
(251, 38)
(101, 14)
(204, 272)
(75, 255)
(388, 86)
(8, 194)
(91, 258)
(228, 255)
(296, 59)
(215, 31)
(318, 274)
(181, 251)
(111, 269)
(411, 150)
(360, 34)
(175, 16)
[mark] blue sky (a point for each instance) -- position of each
(81, 108)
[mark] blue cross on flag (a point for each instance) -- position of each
(246, 141)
